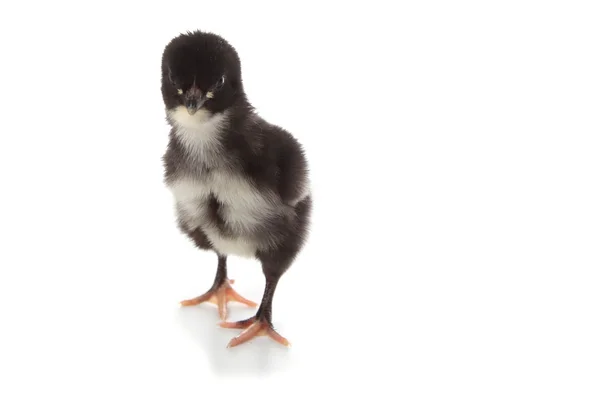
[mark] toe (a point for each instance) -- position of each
(195, 300)
(222, 305)
(240, 299)
(278, 338)
(238, 325)
(249, 333)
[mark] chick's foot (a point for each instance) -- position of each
(220, 295)
(253, 327)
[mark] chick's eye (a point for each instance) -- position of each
(221, 82)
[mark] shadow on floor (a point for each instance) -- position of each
(258, 357)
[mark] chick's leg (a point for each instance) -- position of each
(260, 324)
(221, 292)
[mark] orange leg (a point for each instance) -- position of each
(260, 324)
(220, 293)
(253, 327)
(220, 296)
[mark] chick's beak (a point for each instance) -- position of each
(192, 106)
(194, 100)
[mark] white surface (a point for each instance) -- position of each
(455, 245)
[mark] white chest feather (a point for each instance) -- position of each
(243, 207)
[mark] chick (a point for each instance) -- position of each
(240, 184)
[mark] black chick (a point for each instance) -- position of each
(240, 184)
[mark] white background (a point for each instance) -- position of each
(454, 252)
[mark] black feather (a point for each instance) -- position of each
(264, 155)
